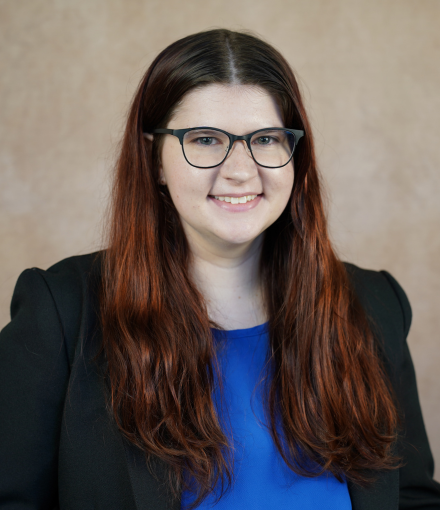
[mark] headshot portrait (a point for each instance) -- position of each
(220, 266)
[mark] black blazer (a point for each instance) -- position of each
(59, 446)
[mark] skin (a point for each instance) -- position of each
(226, 246)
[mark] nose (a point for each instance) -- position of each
(239, 164)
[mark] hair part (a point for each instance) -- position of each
(327, 399)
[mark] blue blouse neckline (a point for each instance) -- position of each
(244, 333)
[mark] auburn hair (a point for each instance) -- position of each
(327, 400)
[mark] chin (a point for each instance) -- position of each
(239, 237)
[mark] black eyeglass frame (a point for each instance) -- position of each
(180, 133)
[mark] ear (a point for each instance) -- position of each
(162, 179)
(149, 136)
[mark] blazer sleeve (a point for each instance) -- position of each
(34, 373)
(418, 489)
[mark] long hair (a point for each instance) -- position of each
(327, 402)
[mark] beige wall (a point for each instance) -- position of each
(370, 71)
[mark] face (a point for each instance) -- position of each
(207, 221)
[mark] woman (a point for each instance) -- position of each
(217, 352)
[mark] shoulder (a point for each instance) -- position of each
(65, 293)
(65, 281)
(386, 305)
(380, 293)
(70, 281)
(72, 271)
(69, 278)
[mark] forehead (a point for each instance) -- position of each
(233, 108)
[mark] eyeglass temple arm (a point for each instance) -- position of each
(299, 133)
(176, 132)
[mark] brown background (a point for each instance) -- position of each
(370, 73)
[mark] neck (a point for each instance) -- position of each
(229, 280)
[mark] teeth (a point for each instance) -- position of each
(237, 200)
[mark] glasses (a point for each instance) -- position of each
(206, 147)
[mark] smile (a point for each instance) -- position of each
(236, 204)
(237, 200)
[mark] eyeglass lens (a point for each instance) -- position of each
(208, 147)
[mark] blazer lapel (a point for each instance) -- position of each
(382, 495)
(150, 489)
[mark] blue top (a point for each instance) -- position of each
(262, 479)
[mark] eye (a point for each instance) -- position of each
(206, 140)
(265, 140)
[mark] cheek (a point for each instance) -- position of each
(188, 190)
(280, 185)
(180, 195)
(288, 183)
(173, 172)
